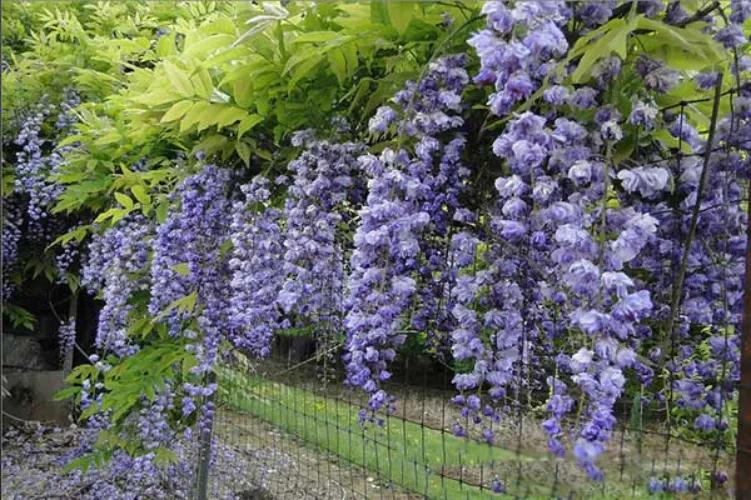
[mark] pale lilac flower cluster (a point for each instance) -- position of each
(518, 49)
(35, 188)
(64, 259)
(406, 194)
(66, 334)
(114, 268)
(712, 293)
(326, 183)
(428, 108)
(189, 261)
(596, 229)
(187, 245)
(12, 224)
(257, 268)
(39, 160)
(380, 285)
(152, 421)
(559, 218)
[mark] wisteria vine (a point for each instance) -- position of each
(564, 230)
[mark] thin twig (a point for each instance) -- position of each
(19, 419)
(698, 15)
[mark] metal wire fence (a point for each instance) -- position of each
(307, 441)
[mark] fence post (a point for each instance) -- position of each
(743, 445)
(204, 452)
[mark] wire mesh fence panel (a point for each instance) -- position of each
(299, 439)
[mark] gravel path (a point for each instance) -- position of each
(254, 462)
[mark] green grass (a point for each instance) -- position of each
(404, 453)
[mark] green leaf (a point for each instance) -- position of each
(301, 57)
(66, 393)
(18, 316)
(166, 45)
(243, 150)
(242, 91)
(248, 123)
(202, 83)
(228, 115)
(69, 140)
(338, 64)
(140, 194)
(208, 45)
(157, 98)
(613, 39)
(233, 54)
(124, 200)
(689, 39)
(164, 456)
(199, 111)
(162, 209)
(303, 70)
(179, 80)
(316, 37)
(211, 144)
(182, 269)
(400, 14)
(379, 12)
(185, 304)
(177, 111)
(78, 234)
(115, 214)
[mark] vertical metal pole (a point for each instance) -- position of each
(743, 448)
(204, 453)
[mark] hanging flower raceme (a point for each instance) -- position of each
(32, 164)
(39, 160)
(12, 224)
(404, 211)
(257, 268)
(558, 260)
(66, 333)
(326, 190)
(704, 350)
(518, 49)
(187, 255)
(114, 268)
(189, 264)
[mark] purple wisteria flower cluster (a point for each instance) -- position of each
(114, 270)
(518, 49)
(12, 232)
(39, 160)
(66, 334)
(326, 190)
(189, 262)
(391, 242)
(33, 163)
(28, 220)
(257, 268)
